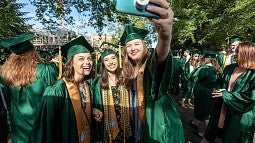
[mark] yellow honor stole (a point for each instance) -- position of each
(83, 119)
(140, 95)
(111, 123)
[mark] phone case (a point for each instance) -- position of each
(128, 7)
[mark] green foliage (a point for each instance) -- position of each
(203, 24)
(206, 24)
(12, 22)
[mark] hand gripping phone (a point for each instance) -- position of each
(135, 7)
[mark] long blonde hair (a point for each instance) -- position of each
(20, 70)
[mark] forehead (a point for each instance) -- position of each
(85, 55)
(234, 43)
(134, 41)
(109, 56)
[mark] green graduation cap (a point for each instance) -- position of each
(54, 52)
(131, 32)
(187, 50)
(18, 44)
(196, 52)
(234, 38)
(175, 52)
(107, 49)
(209, 54)
(76, 46)
(43, 54)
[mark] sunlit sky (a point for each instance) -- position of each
(37, 25)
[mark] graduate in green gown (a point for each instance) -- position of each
(233, 115)
(228, 58)
(66, 111)
(27, 78)
(204, 80)
(177, 68)
(4, 109)
(154, 117)
(189, 64)
(112, 98)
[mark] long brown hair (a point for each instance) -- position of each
(20, 70)
(129, 66)
(246, 55)
(68, 70)
(214, 63)
(105, 79)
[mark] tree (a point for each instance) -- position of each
(206, 24)
(12, 21)
(203, 24)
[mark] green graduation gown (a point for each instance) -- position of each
(185, 80)
(56, 119)
(222, 60)
(240, 118)
(25, 102)
(204, 79)
(4, 107)
(162, 122)
(175, 80)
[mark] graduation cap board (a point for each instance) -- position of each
(18, 44)
(107, 49)
(131, 32)
(76, 46)
(234, 38)
(44, 54)
(209, 54)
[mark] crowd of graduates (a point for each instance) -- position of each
(120, 93)
(212, 84)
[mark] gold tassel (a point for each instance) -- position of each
(96, 64)
(60, 63)
(120, 60)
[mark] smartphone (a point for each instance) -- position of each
(130, 7)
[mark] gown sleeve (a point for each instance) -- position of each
(98, 103)
(163, 123)
(55, 121)
(47, 71)
(242, 97)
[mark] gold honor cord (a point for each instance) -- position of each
(60, 64)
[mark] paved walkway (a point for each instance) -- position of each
(186, 115)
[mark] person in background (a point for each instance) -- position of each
(154, 117)
(113, 99)
(45, 55)
(190, 63)
(204, 80)
(177, 68)
(66, 112)
(232, 118)
(27, 78)
(228, 57)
